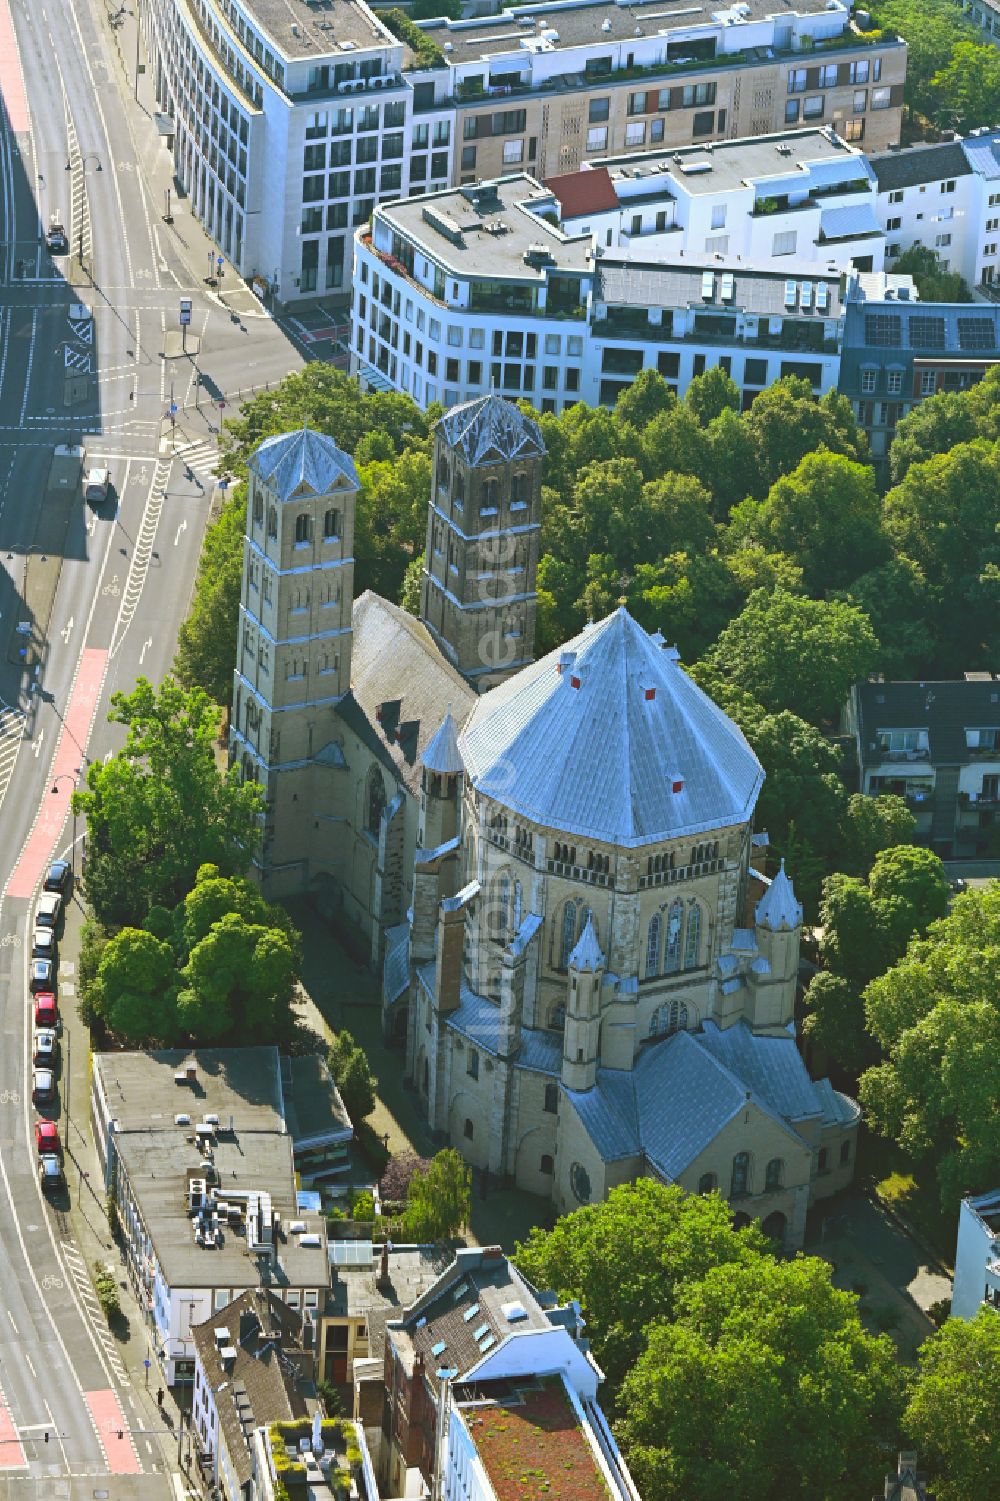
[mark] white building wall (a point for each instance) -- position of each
(536, 1352)
(977, 1250)
(949, 220)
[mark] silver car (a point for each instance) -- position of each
(43, 1086)
(45, 1047)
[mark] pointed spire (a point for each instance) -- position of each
(778, 908)
(441, 753)
(587, 955)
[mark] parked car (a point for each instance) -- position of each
(42, 977)
(43, 944)
(50, 1171)
(44, 1047)
(43, 1086)
(48, 909)
(47, 1012)
(60, 877)
(47, 1139)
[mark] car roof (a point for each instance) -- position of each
(47, 898)
(42, 1073)
(58, 865)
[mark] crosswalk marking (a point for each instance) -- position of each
(77, 1268)
(11, 731)
(201, 454)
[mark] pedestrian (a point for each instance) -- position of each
(159, 1397)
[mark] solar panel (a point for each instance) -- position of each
(885, 330)
(976, 333)
(926, 333)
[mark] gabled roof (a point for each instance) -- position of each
(778, 907)
(303, 462)
(609, 739)
(587, 192)
(491, 430)
(442, 753)
(912, 165)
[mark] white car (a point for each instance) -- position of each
(43, 944)
(48, 910)
(44, 1047)
(43, 1085)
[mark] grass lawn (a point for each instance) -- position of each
(909, 1190)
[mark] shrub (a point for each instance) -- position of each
(107, 1291)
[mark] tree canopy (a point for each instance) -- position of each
(439, 1199)
(160, 808)
(933, 282)
(867, 925)
(353, 1076)
(954, 1408)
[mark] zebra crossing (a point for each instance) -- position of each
(77, 1268)
(201, 454)
(11, 732)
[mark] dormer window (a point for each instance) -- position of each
(984, 740)
(903, 744)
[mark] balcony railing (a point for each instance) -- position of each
(681, 873)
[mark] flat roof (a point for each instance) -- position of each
(563, 26)
(531, 1441)
(321, 26)
(487, 229)
(629, 282)
(314, 1111)
(726, 165)
(142, 1091)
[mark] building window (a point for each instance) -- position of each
(468, 1130)
(598, 110)
(303, 528)
(672, 949)
(692, 941)
(845, 1153)
(637, 103)
(374, 802)
(272, 521)
(671, 1017)
(331, 525)
(896, 196)
(854, 130)
(822, 1165)
(547, 1165)
(513, 152)
(928, 382)
(867, 382)
(707, 1183)
(796, 80)
(739, 1185)
(579, 1182)
(597, 138)
(258, 509)
(791, 112)
(784, 243)
(653, 945)
(635, 134)
(472, 1064)
(894, 382)
(774, 1175)
(880, 98)
(703, 124)
(568, 938)
(551, 1099)
(812, 108)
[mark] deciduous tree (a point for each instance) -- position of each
(353, 1076)
(954, 1409)
(440, 1199)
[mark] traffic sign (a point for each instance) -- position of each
(147, 1362)
(219, 262)
(185, 311)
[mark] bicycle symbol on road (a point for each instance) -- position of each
(10, 941)
(51, 1283)
(113, 588)
(9, 1097)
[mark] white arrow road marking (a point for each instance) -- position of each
(145, 647)
(91, 523)
(180, 529)
(66, 630)
(38, 743)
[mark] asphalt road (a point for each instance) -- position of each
(105, 385)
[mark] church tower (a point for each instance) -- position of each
(293, 662)
(478, 591)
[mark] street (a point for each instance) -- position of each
(95, 370)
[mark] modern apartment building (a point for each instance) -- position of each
(292, 119)
(977, 1256)
(802, 194)
(476, 288)
(945, 196)
(550, 86)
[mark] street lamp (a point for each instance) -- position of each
(67, 776)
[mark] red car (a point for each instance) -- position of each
(46, 1010)
(47, 1139)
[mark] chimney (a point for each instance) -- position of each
(449, 962)
(567, 660)
(191, 1070)
(383, 1271)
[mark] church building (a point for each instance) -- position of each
(552, 863)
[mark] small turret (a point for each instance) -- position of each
(582, 1031)
(774, 975)
(440, 784)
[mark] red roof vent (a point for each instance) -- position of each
(650, 694)
(574, 682)
(677, 784)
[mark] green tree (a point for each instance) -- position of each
(160, 808)
(429, 10)
(942, 422)
(786, 422)
(934, 283)
(206, 644)
(353, 1076)
(936, 1013)
(896, 599)
(802, 801)
(931, 29)
(766, 1380)
(834, 1022)
(793, 653)
(644, 399)
(135, 988)
(712, 393)
(410, 589)
(390, 528)
(967, 87)
(440, 1199)
(673, 1238)
(867, 927)
(730, 461)
(825, 516)
(239, 980)
(954, 1408)
(873, 824)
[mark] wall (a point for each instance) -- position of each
(974, 1249)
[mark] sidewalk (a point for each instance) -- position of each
(128, 1347)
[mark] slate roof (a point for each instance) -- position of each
(912, 165)
(587, 192)
(302, 460)
(270, 1386)
(586, 751)
(943, 709)
(770, 1067)
(587, 955)
(442, 753)
(401, 686)
(778, 907)
(478, 1020)
(396, 969)
(491, 430)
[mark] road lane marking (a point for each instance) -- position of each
(27, 1361)
(38, 743)
(66, 630)
(109, 1421)
(31, 356)
(142, 554)
(145, 647)
(12, 1324)
(180, 531)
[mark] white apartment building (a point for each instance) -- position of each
(947, 197)
(478, 288)
(977, 1256)
(803, 194)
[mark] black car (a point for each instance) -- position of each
(42, 976)
(59, 876)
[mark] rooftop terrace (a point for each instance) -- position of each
(532, 1442)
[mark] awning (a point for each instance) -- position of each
(849, 222)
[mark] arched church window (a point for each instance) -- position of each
(672, 1016)
(586, 914)
(518, 899)
(740, 1182)
(272, 521)
(331, 525)
(374, 801)
(258, 508)
(774, 1175)
(579, 1182)
(501, 906)
(707, 1183)
(568, 937)
(672, 946)
(692, 937)
(653, 945)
